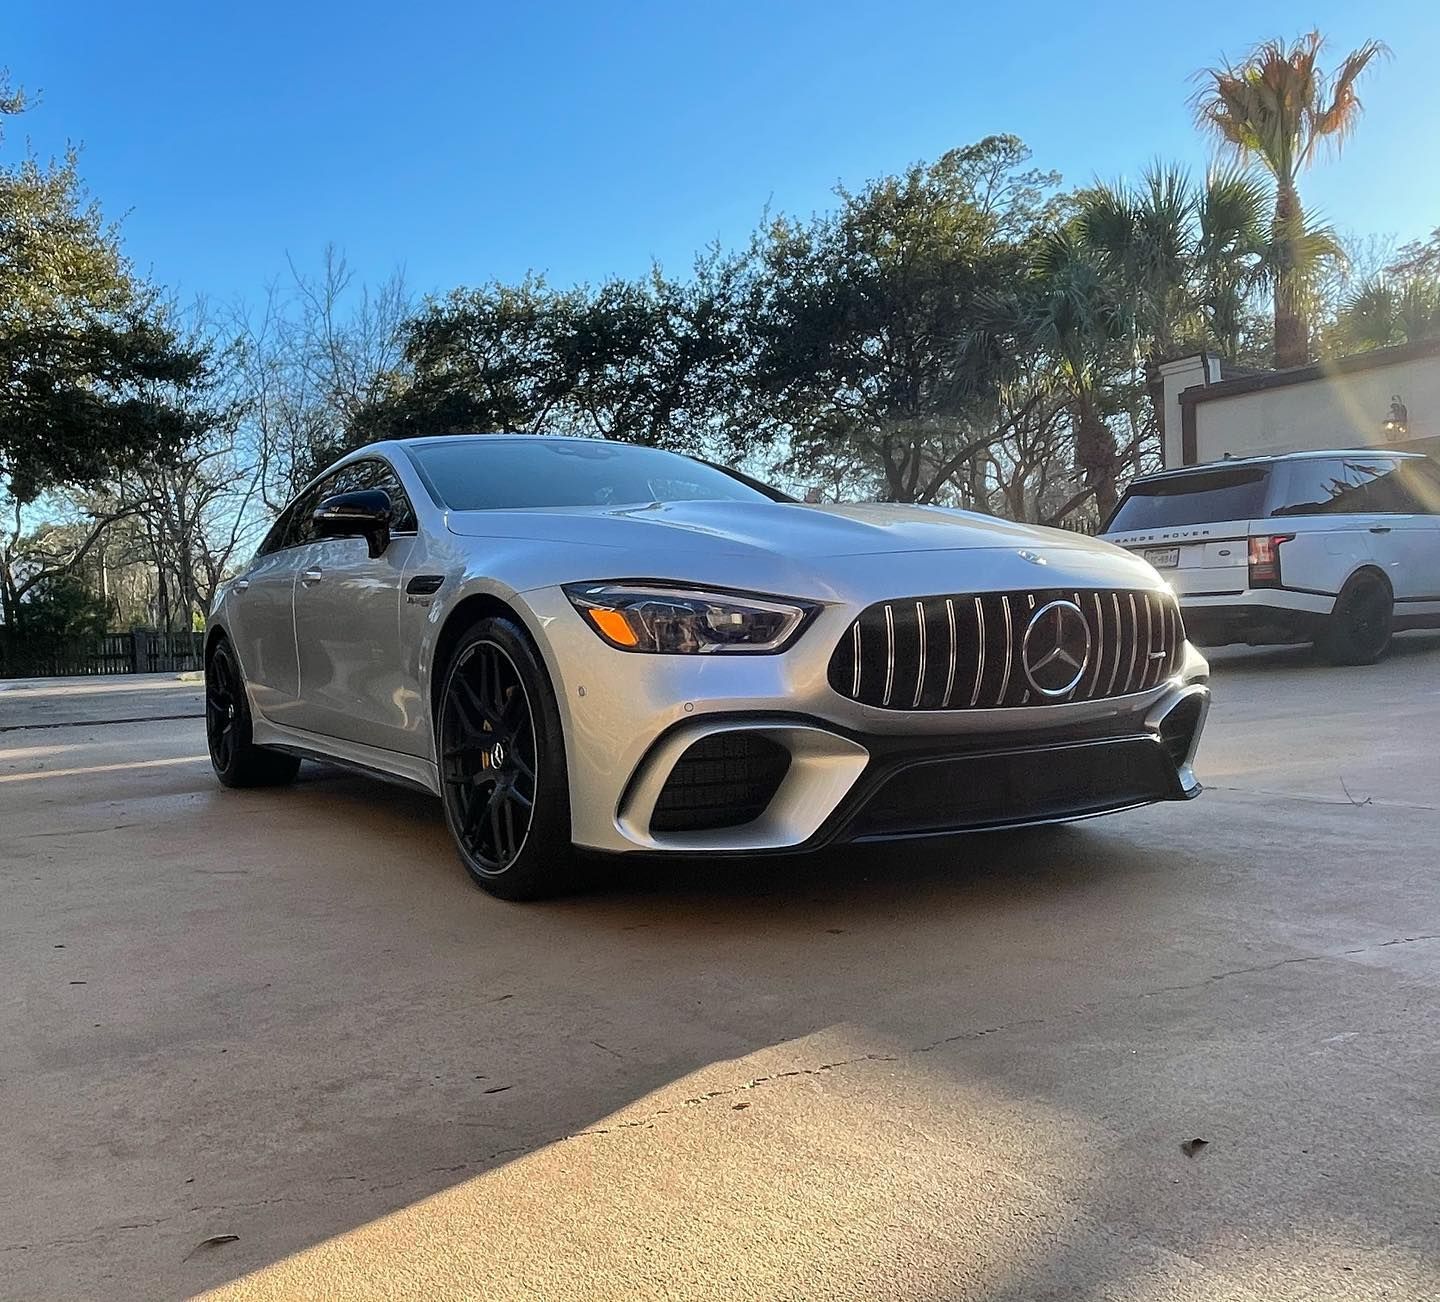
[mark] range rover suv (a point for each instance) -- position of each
(1341, 548)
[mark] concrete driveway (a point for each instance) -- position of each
(969, 1071)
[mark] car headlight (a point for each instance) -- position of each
(687, 621)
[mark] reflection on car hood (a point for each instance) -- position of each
(787, 529)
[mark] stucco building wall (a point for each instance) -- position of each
(1344, 403)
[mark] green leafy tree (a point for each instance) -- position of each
(477, 360)
(647, 361)
(868, 343)
(91, 370)
(1278, 107)
(86, 359)
(656, 361)
(58, 608)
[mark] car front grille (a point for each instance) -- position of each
(983, 651)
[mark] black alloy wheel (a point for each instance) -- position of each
(1361, 625)
(501, 767)
(222, 695)
(237, 761)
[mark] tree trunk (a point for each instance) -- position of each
(1155, 387)
(1095, 455)
(1292, 330)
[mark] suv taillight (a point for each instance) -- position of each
(1265, 559)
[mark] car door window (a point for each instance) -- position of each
(373, 473)
(379, 474)
(302, 524)
(274, 538)
(294, 526)
(1357, 485)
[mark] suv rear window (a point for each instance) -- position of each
(1201, 498)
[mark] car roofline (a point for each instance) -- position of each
(1271, 459)
(507, 436)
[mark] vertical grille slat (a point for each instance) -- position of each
(1162, 641)
(1177, 638)
(1009, 640)
(920, 672)
(980, 650)
(1136, 641)
(1098, 629)
(1134, 645)
(954, 653)
(1149, 641)
(889, 654)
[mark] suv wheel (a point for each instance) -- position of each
(1359, 628)
(502, 765)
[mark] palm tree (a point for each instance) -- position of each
(1381, 312)
(1071, 311)
(1186, 258)
(1277, 107)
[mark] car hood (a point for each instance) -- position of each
(788, 529)
(855, 554)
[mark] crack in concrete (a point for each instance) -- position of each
(979, 1033)
(1371, 802)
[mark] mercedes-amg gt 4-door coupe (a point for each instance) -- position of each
(576, 643)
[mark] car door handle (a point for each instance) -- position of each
(241, 584)
(312, 575)
(1379, 528)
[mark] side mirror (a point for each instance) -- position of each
(364, 513)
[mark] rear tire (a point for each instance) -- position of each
(1359, 629)
(236, 759)
(501, 757)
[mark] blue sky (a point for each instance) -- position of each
(473, 141)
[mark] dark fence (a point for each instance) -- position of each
(142, 651)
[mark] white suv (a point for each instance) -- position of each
(1337, 548)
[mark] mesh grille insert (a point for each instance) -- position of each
(724, 780)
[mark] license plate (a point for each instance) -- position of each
(1163, 558)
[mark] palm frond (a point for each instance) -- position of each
(1278, 106)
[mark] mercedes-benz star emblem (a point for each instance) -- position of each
(1056, 648)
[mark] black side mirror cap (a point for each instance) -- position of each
(366, 513)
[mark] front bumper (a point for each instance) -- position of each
(854, 772)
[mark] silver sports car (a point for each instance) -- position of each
(586, 644)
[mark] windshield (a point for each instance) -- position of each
(485, 473)
(1193, 499)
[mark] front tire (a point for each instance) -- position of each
(1359, 629)
(501, 756)
(236, 759)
